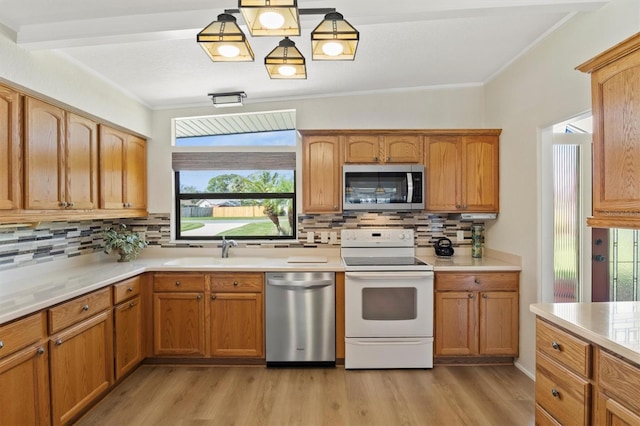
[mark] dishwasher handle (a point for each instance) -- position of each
(295, 285)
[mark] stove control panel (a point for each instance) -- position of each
(383, 237)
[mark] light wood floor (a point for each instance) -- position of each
(197, 396)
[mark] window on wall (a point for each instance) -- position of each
(240, 186)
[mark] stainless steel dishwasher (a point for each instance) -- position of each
(300, 318)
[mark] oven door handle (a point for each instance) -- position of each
(387, 342)
(385, 275)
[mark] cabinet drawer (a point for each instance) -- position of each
(126, 289)
(480, 281)
(178, 282)
(69, 313)
(543, 418)
(563, 394)
(237, 282)
(619, 379)
(18, 334)
(564, 348)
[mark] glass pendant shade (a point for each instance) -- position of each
(224, 41)
(271, 17)
(334, 39)
(286, 61)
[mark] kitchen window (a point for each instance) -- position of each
(239, 186)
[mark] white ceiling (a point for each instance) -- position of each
(148, 48)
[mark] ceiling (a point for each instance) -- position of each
(148, 49)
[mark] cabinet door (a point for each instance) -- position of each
(81, 366)
(402, 149)
(480, 174)
(442, 173)
(237, 326)
(10, 150)
(362, 149)
(616, 138)
(135, 173)
(611, 413)
(128, 336)
(499, 323)
(178, 324)
(112, 156)
(44, 158)
(81, 163)
(24, 399)
(322, 177)
(456, 323)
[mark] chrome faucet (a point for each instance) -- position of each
(226, 244)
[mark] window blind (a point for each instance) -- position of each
(233, 161)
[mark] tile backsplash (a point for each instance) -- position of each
(49, 241)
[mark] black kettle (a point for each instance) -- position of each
(443, 247)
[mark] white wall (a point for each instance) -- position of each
(54, 76)
(538, 90)
(448, 107)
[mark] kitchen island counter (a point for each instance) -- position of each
(614, 326)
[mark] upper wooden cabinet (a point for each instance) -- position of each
(123, 171)
(615, 92)
(61, 159)
(462, 172)
(321, 174)
(10, 149)
(376, 148)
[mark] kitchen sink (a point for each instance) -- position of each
(216, 261)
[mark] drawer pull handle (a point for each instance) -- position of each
(1, 344)
(555, 393)
(132, 304)
(213, 297)
(477, 281)
(555, 346)
(198, 297)
(177, 283)
(40, 351)
(235, 283)
(58, 342)
(85, 308)
(130, 289)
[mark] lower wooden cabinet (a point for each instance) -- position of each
(81, 363)
(24, 373)
(476, 314)
(237, 315)
(128, 336)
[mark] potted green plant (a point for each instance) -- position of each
(123, 241)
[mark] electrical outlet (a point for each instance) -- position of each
(310, 237)
(460, 236)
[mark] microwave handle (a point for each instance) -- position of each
(409, 188)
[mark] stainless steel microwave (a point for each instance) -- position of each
(383, 187)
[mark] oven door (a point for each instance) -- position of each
(389, 304)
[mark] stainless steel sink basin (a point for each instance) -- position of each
(216, 261)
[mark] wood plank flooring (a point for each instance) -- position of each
(206, 395)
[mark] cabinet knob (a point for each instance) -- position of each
(1, 344)
(132, 304)
(198, 297)
(470, 295)
(71, 204)
(58, 342)
(62, 204)
(129, 289)
(177, 283)
(375, 159)
(388, 158)
(335, 207)
(458, 206)
(555, 393)
(484, 296)
(213, 297)
(476, 280)
(40, 351)
(85, 308)
(235, 283)
(555, 345)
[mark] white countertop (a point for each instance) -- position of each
(612, 325)
(29, 289)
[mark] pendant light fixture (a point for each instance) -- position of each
(286, 61)
(224, 41)
(271, 17)
(334, 39)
